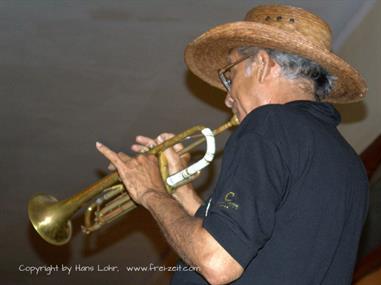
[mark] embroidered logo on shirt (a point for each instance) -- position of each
(228, 202)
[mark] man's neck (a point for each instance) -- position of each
(292, 91)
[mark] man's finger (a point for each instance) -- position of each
(110, 155)
(163, 137)
(145, 141)
(186, 157)
(124, 157)
(178, 147)
(139, 148)
(174, 160)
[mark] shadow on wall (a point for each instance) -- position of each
(137, 220)
(205, 92)
(351, 113)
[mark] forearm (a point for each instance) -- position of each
(180, 228)
(190, 240)
(185, 233)
(188, 198)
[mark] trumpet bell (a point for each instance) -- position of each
(48, 220)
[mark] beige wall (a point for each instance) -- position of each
(362, 121)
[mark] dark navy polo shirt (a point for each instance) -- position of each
(291, 198)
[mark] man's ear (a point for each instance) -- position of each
(265, 65)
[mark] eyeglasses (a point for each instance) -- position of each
(225, 76)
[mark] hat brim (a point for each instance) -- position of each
(208, 53)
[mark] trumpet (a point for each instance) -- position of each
(51, 218)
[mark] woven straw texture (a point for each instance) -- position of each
(281, 27)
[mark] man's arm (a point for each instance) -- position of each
(184, 232)
(190, 240)
(188, 198)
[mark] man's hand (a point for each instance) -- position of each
(185, 194)
(143, 144)
(184, 232)
(175, 162)
(140, 175)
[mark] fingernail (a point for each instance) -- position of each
(98, 144)
(159, 139)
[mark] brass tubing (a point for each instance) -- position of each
(51, 218)
(231, 123)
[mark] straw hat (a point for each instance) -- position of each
(283, 28)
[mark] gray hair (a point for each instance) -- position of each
(295, 67)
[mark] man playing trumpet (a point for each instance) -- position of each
(291, 198)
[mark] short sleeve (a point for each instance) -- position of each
(241, 213)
